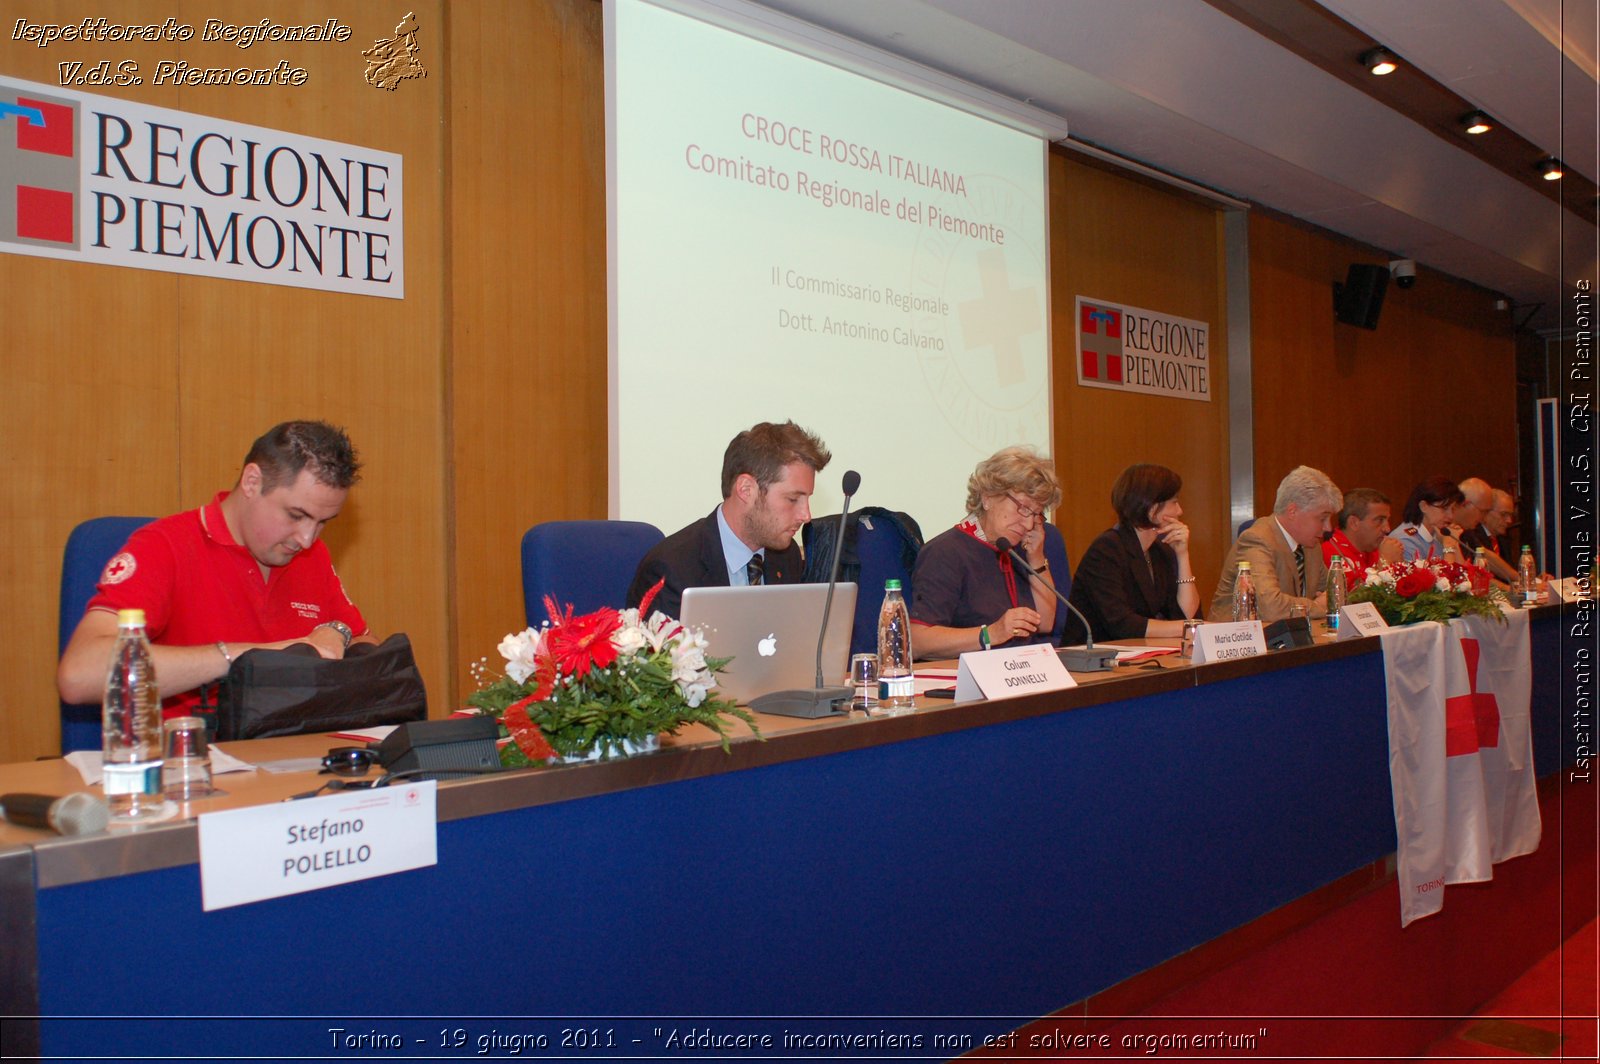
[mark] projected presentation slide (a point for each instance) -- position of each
(794, 240)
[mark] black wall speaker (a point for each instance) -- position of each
(1359, 300)
(459, 744)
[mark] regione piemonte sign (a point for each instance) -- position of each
(1137, 350)
(124, 184)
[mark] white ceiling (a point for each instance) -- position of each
(1181, 86)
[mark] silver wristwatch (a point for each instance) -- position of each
(343, 629)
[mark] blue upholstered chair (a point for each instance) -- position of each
(89, 547)
(586, 563)
(1055, 552)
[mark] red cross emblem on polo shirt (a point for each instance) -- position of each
(119, 568)
(1471, 720)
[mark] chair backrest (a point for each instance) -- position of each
(586, 563)
(879, 545)
(89, 547)
(1246, 523)
(1055, 552)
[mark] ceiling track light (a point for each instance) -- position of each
(1476, 122)
(1550, 168)
(1379, 61)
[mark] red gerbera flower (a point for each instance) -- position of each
(579, 644)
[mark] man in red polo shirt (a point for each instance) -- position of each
(245, 571)
(1361, 526)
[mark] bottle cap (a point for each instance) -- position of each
(891, 585)
(130, 618)
(1244, 567)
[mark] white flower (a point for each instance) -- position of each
(1441, 584)
(1465, 587)
(521, 651)
(694, 693)
(659, 629)
(1376, 576)
(689, 658)
(630, 637)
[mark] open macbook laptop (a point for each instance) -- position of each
(770, 632)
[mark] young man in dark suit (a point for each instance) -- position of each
(768, 475)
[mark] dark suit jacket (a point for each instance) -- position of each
(1114, 589)
(692, 557)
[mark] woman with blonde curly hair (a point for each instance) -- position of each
(967, 594)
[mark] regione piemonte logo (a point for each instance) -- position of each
(1135, 349)
(40, 188)
(115, 182)
(1100, 342)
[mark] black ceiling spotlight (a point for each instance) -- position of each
(1379, 61)
(1476, 122)
(1550, 168)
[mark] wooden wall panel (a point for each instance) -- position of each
(134, 391)
(1120, 239)
(528, 276)
(1431, 391)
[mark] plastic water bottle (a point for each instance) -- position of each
(1244, 594)
(1337, 587)
(131, 725)
(1528, 577)
(896, 688)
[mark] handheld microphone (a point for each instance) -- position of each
(822, 700)
(76, 814)
(1077, 659)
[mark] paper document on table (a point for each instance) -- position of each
(933, 680)
(1133, 653)
(87, 762)
(365, 735)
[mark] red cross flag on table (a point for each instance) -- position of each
(1460, 753)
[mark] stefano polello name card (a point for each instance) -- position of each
(1011, 671)
(270, 851)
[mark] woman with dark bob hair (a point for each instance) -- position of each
(1135, 579)
(966, 593)
(1424, 531)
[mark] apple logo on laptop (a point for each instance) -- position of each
(768, 646)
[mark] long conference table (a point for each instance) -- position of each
(988, 861)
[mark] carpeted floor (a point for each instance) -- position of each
(1549, 1012)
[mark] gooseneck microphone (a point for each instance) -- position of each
(822, 700)
(76, 814)
(1077, 659)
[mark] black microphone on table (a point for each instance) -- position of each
(1077, 659)
(76, 814)
(822, 700)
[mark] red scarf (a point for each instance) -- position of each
(1007, 572)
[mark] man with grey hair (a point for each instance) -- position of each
(1473, 531)
(1284, 550)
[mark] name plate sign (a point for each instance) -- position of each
(1227, 640)
(1570, 589)
(1360, 619)
(271, 851)
(1011, 671)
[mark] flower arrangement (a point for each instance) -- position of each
(1429, 590)
(606, 683)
